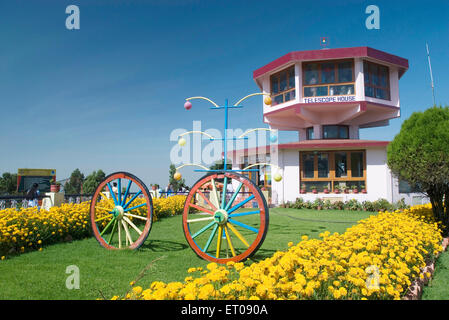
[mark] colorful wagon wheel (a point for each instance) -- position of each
(225, 217)
(121, 212)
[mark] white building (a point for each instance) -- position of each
(327, 96)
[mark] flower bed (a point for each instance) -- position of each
(30, 229)
(376, 259)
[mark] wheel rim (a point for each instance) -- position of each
(124, 219)
(222, 229)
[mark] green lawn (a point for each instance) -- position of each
(42, 275)
(438, 287)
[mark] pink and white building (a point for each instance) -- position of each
(328, 96)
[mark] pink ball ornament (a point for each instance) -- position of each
(187, 105)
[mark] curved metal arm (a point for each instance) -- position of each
(262, 164)
(192, 164)
(203, 98)
(250, 95)
(195, 131)
(251, 130)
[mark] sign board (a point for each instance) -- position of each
(27, 177)
(328, 99)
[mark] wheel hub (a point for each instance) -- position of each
(221, 216)
(118, 212)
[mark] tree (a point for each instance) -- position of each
(8, 183)
(175, 184)
(73, 186)
(419, 154)
(92, 181)
(218, 165)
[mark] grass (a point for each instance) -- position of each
(438, 287)
(42, 275)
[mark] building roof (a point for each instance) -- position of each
(318, 144)
(339, 53)
(333, 144)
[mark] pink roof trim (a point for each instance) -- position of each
(339, 53)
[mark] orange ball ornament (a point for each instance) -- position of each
(177, 175)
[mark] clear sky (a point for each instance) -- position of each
(107, 96)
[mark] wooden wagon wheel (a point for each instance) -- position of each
(225, 226)
(121, 218)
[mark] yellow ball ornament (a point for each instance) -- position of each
(277, 177)
(177, 175)
(267, 100)
(182, 142)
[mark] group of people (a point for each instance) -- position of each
(169, 191)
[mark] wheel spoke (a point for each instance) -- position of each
(134, 216)
(107, 226)
(132, 225)
(203, 229)
(243, 225)
(128, 235)
(223, 197)
(113, 194)
(103, 195)
(119, 191)
(238, 234)
(207, 200)
(201, 208)
(211, 237)
(102, 218)
(140, 205)
(236, 192)
(241, 204)
(228, 238)
(220, 231)
(113, 231)
(132, 199)
(126, 192)
(240, 214)
(214, 195)
(119, 236)
(200, 219)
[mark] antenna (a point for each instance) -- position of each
(431, 76)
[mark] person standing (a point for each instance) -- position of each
(32, 196)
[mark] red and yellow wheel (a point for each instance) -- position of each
(121, 212)
(225, 217)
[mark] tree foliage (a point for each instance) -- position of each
(419, 154)
(76, 180)
(8, 183)
(175, 184)
(92, 181)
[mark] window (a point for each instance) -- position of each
(283, 86)
(319, 75)
(309, 133)
(377, 80)
(329, 169)
(335, 132)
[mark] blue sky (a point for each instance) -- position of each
(109, 94)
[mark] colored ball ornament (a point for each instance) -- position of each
(267, 100)
(182, 142)
(277, 177)
(273, 138)
(188, 105)
(177, 175)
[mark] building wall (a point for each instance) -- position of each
(380, 183)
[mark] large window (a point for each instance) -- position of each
(328, 169)
(329, 78)
(283, 86)
(377, 80)
(335, 132)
